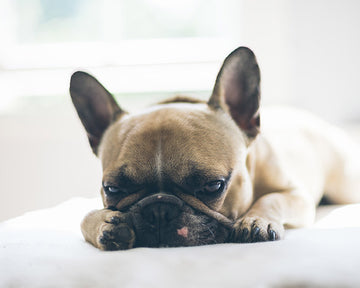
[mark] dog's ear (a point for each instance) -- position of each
(237, 90)
(95, 106)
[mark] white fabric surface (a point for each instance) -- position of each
(45, 248)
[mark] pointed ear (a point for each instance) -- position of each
(95, 106)
(237, 90)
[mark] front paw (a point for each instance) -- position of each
(114, 233)
(256, 229)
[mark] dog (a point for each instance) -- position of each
(187, 172)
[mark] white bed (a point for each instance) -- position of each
(45, 248)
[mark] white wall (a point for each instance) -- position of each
(309, 52)
(45, 159)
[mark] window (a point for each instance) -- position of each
(134, 46)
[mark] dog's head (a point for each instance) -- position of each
(177, 169)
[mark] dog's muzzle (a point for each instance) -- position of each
(176, 201)
(160, 209)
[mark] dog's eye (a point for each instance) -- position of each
(109, 189)
(112, 189)
(215, 187)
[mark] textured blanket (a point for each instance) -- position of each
(45, 248)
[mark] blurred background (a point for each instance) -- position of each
(144, 51)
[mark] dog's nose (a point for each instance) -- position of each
(160, 209)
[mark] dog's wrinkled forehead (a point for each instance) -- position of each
(174, 140)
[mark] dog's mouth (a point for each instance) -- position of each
(188, 229)
(163, 220)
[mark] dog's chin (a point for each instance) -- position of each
(190, 228)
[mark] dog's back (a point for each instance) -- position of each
(316, 155)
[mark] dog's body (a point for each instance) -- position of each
(186, 172)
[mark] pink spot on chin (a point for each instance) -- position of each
(183, 232)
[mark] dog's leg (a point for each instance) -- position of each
(107, 230)
(343, 182)
(346, 187)
(266, 219)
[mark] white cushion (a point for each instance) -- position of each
(45, 248)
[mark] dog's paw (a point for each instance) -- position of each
(115, 233)
(256, 229)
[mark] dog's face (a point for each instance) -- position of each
(171, 149)
(177, 169)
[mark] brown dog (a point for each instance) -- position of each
(186, 172)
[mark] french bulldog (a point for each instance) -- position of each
(187, 172)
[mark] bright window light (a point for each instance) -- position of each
(134, 46)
